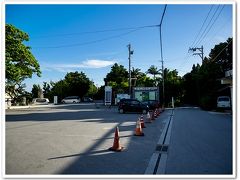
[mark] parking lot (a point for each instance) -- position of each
(74, 139)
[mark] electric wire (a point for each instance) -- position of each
(85, 43)
(207, 26)
(95, 41)
(211, 26)
(222, 50)
(185, 59)
(205, 20)
(93, 32)
(219, 29)
(206, 30)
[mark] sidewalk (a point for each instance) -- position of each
(29, 106)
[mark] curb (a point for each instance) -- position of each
(28, 107)
(154, 165)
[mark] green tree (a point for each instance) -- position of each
(92, 90)
(59, 89)
(172, 86)
(135, 73)
(47, 90)
(201, 86)
(100, 93)
(144, 81)
(19, 61)
(153, 70)
(117, 74)
(78, 83)
(35, 90)
(221, 54)
(73, 84)
(117, 78)
(191, 86)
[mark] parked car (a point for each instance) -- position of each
(223, 102)
(40, 101)
(132, 105)
(152, 104)
(87, 99)
(71, 99)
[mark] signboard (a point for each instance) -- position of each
(146, 93)
(145, 88)
(55, 100)
(108, 95)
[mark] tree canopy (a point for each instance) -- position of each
(117, 78)
(19, 61)
(202, 84)
(153, 70)
(117, 74)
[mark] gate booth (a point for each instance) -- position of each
(108, 95)
(146, 93)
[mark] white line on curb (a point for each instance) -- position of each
(164, 139)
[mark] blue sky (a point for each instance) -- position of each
(90, 38)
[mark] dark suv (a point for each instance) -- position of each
(132, 105)
(152, 104)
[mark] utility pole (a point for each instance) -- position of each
(198, 53)
(163, 88)
(160, 29)
(130, 52)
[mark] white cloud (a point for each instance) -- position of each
(96, 63)
(90, 64)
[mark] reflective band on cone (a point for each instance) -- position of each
(142, 122)
(138, 130)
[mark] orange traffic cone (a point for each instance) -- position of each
(116, 144)
(138, 130)
(148, 118)
(142, 122)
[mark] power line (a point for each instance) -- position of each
(220, 28)
(202, 26)
(93, 32)
(95, 41)
(221, 50)
(86, 43)
(185, 61)
(200, 53)
(197, 35)
(207, 25)
(211, 25)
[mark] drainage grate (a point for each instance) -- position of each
(162, 148)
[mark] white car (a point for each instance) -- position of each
(71, 99)
(223, 102)
(39, 101)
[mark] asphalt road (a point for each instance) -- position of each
(201, 143)
(74, 139)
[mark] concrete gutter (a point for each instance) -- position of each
(154, 165)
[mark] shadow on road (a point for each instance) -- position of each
(97, 159)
